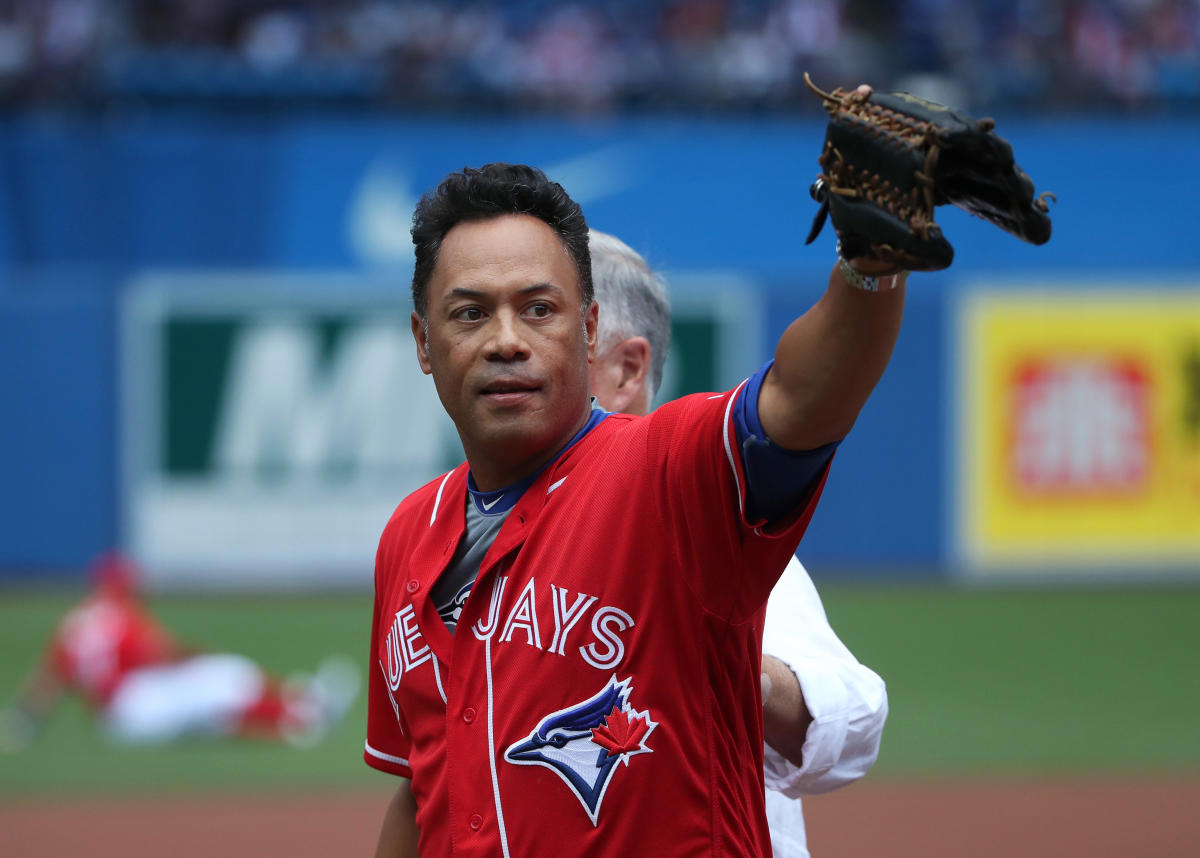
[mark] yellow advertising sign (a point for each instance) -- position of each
(1080, 430)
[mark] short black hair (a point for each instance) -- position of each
(490, 191)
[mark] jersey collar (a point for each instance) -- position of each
(501, 501)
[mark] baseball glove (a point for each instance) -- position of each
(890, 158)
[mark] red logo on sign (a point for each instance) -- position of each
(1081, 424)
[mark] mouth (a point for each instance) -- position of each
(508, 391)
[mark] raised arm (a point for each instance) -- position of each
(829, 360)
(888, 160)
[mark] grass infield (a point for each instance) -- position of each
(980, 683)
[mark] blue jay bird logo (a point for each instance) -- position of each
(451, 610)
(583, 743)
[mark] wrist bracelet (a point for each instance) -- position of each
(867, 283)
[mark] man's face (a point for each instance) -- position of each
(507, 344)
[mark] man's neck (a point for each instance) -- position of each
(492, 473)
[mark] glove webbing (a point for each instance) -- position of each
(906, 133)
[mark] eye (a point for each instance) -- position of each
(540, 310)
(468, 314)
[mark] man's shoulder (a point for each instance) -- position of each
(593, 450)
(684, 407)
(692, 420)
(692, 402)
(421, 503)
(682, 415)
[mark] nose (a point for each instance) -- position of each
(507, 342)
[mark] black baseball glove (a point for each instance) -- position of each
(890, 158)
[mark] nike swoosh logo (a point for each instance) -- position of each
(488, 506)
(556, 485)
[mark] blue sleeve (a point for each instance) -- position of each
(777, 480)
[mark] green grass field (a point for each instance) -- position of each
(1018, 682)
(980, 683)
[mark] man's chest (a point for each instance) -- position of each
(559, 656)
(569, 607)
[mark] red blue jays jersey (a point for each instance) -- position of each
(100, 641)
(600, 695)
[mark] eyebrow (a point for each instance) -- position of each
(467, 292)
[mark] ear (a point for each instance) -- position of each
(591, 323)
(631, 358)
(418, 332)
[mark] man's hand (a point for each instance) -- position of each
(785, 715)
(399, 834)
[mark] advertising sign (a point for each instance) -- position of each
(272, 424)
(1080, 430)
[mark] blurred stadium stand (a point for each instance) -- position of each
(597, 56)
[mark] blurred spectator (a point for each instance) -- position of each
(566, 59)
(590, 55)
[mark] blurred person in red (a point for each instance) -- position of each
(144, 686)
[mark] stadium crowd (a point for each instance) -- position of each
(598, 55)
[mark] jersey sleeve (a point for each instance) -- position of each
(847, 701)
(388, 745)
(731, 557)
(778, 480)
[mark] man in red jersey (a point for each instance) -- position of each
(566, 646)
(146, 687)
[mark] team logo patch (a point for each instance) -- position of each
(452, 610)
(583, 743)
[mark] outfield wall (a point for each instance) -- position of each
(93, 210)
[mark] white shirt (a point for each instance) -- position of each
(847, 701)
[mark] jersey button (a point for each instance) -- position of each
(413, 585)
(469, 714)
(476, 822)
